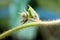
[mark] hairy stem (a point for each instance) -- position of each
(41, 23)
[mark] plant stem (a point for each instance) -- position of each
(41, 23)
(3, 35)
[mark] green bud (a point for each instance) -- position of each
(31, 12)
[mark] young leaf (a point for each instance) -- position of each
(32, 13)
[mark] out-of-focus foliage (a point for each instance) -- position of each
(49, 4)
(4, 3)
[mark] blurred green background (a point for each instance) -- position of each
(47, 10)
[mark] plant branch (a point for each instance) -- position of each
(41, 23)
